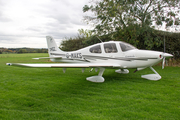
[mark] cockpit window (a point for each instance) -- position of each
(110, 48)
(95, 49)
(126, 47)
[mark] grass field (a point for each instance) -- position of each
(48, 93)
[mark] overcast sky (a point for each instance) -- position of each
(26, 23)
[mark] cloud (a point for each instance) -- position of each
(3, 18)
(25, 21)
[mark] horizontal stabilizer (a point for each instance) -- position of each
(47, 58)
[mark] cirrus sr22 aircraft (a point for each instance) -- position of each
(113, 54)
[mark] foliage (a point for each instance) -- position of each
(129, 18)
(49, 94)
(70, 44)
(23, 50)
(85, 33)
(97, 39)
(84, 39)
(31, 50)
(172, 43)
(141, 37)
(119, 14)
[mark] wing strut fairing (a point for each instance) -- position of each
(97, 78)
(154, 77)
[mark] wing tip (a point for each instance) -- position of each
(9, 64)
(14, 64)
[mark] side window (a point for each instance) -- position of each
(95, 49)
(110, 48)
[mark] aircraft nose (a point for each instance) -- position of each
(167, 55)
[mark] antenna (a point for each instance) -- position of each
(99, 39)
(164, 44)
(164, 58)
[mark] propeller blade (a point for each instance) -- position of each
(163, 62)
(165, 55)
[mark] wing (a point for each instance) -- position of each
(71, 65)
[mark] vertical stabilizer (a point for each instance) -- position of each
(52, 46)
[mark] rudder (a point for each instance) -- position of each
(52, 46)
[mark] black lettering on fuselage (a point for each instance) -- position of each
(73, 55)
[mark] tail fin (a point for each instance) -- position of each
(52, 46)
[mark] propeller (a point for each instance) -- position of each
(164, 58)
(163, 62)
(165, 55)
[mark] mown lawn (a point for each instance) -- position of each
(48, 93)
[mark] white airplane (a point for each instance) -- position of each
(112, 54)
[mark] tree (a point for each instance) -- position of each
(78, 42)
(22, 51)
(133, 19)
(71, 44)
(85, 33)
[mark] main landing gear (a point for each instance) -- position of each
(100, 79)
(97, 78)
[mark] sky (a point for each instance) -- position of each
(26, 23)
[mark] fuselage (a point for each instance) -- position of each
(121, 53)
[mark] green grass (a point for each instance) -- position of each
(48, 93)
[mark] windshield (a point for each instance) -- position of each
(125, 46)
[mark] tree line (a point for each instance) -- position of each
(23, 50)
